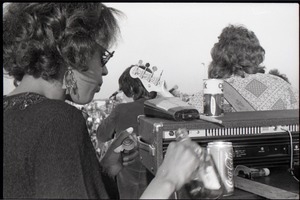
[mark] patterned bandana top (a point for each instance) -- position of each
(262, 91)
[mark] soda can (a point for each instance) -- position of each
(222, 154)
(213, 97)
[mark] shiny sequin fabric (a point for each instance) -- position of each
(22, 101)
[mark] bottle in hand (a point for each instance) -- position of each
(206, 182)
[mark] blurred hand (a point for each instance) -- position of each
(179, 163)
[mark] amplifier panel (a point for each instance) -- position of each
(223, 131)
(257, 136)
(264, 150)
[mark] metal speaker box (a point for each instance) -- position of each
(259, 138)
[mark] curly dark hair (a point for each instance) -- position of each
(276, 72)
(43, 39)
(237, 52)
(133, 87)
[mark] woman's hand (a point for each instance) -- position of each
(178, 165)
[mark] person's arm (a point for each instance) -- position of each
(178, 165)
(159, 188)
(105, 132)
(106, 129)
(112, 162)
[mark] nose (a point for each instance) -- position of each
(104, 70)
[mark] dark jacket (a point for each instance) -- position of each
(47, 151)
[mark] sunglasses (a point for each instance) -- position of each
(106, 56)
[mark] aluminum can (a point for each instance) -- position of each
(213, 97)
(222, 154)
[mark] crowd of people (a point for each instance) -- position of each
(58, 52)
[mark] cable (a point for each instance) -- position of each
(291, 169)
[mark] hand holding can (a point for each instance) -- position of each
(206, 182)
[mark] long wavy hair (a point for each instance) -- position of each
(43, 39)
(133, 87)
(237, 52)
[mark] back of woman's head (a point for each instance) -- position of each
(238, 51)
(133, 87)
(43, 39)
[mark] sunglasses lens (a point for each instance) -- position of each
(106, 56)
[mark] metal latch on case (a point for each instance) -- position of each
(147, 147)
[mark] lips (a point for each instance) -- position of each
(97, 89)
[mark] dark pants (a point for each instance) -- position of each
(133, 180)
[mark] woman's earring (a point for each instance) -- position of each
(69, 82)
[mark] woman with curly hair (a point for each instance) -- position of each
(237, 58)
(56, 51)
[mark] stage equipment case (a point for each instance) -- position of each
(257, 137)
